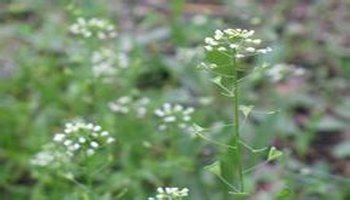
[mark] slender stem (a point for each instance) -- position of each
(236, 135)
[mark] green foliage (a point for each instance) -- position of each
(46, 79)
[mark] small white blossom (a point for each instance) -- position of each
(250, 49)
(218, 34)
(210, 41)
(90, 152)
(171, 115)
(59, 137)
(222, 49)
(94, 144)
(82, 140)
(43, 158)
(110, 140)
(67, 142)
(127, 104)
(240, 56)
(94, 27)
(169, 193)
(106, 63)
(97, 128)
(104, 133)
(76, 146)
(208, 48)
(50, 156)
(233, 46)
(76, 138)
(279, 71)
(257, 41)
(239, 41)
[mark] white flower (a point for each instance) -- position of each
(240, 56)
(218, 34)
(177, 115)
(76, 146)
(257, 41)
(279, 71)
(43, 158)
(208, 48)
(169, 119)
(236, 42)
(77, 138)
(110, 140)
(233, 46)
(97, 128)
(81, 135)
(210, 41)
(49, 157)
(82, 140)
(104, 133)
(106, 62)
(67, 142)
(127, 104)
(90, 152)
(222, 49)
(169, 193)
(59, 137)
(94, 27)
(250, 49)
(94, 144)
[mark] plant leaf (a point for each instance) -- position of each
(274, 154)
(218, 81)
(197, 128)
(246, 110)
(214, 168)
(285, 193)
(223, 61)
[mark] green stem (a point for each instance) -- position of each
(236, 135)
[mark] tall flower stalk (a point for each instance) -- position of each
(236, 134)
(224, 52)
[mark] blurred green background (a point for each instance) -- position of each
(45, 80)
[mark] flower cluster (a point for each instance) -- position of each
(94, 27)
(49, 156)
(106, 63)
(127, 104)
(279, 71)
(77, 138)
(174, 115)
(239, 41)
(170, 193)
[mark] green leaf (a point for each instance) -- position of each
(214, 168)
(228, 167)
(218, 81)
(222, 60)
(274, 154)
(286, 192)
(197, 128)
(246, 110)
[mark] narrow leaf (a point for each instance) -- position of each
(197, 128)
